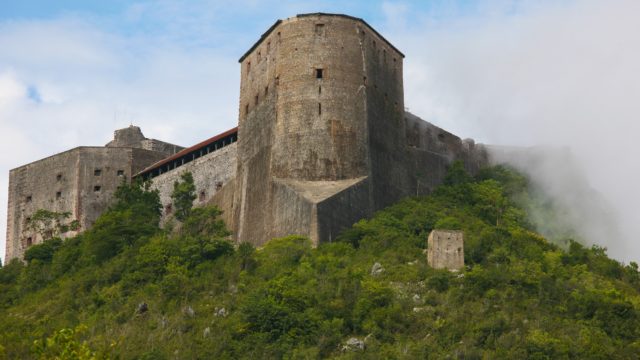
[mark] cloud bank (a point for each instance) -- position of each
(557, 74)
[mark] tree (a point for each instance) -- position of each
(49, 224)
(184, 192)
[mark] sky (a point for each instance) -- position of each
(563, 73)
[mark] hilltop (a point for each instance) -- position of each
(128, 289)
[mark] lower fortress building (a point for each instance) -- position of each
(323, 140)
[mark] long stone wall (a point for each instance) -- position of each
(211, 173)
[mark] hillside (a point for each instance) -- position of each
(128, 289)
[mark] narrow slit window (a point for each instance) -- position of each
(319, 109)
(256, 99)
(319, 90)
(268, 46)
(246, 109)
(266, 90)
(277, 81)
(319, 73)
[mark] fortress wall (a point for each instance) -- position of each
(35, 186)
(321, 128)
(210, 173)
(99, 173)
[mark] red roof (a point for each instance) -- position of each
(188, 150)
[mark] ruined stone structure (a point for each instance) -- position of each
(323, 138)
(80, 181)
(445, 249)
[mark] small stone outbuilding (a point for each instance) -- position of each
(446, 249)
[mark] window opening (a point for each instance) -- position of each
(268, 46)
(29, 198)
(319, 109)
(246, 109)
(58, 177)
(319, 89)
(120, 173)
(266, 90)
(97, 188)
(29, 241)
(218, 185)
(202, 195)
(320, 29)
(319, 73)
(168, 209)
(248, 67)
(97, 172)
(364, 80)
(58, 195)
(277, 80)
(256, 99)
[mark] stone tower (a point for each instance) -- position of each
(321, 127)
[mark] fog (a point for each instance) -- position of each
(563, 74)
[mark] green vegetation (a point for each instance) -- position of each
(127, 289)
(184, 192)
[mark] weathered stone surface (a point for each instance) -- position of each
(377, 269)
(353, 344)
(446, 249)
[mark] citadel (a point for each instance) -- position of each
(323, 140)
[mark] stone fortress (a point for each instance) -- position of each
(323, 140)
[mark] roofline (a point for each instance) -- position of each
(186, 151)
(77, 149)
(270, 30)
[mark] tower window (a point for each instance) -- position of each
(58, 195)
(29, 241)
(256, 99)
(268, 46)
(246, 109)
(248, 67)
(97, 188)
(320, 29)
(97, 172)
(202, 195)
(29, 198)
(266, 90)
(120, 172)
(319, 73)
(58, 177)
(319, 109)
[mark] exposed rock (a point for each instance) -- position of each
(142, 308)
(353, 344)
(206, 332)
(188, 311)
(221, 312)
(416, 298)
(377, 269)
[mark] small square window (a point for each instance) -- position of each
(58, 194)
(97, 172)
(58, 177)
(168, 209)
(29, 241)
(29, 198)
(319, 73)
(97, 188)
(120, 172)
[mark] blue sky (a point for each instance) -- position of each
(521, 72)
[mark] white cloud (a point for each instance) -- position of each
(565, 74)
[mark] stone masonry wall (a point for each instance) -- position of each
(210, 172)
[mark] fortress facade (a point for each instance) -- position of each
(323, 140)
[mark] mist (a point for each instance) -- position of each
(552, 75)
